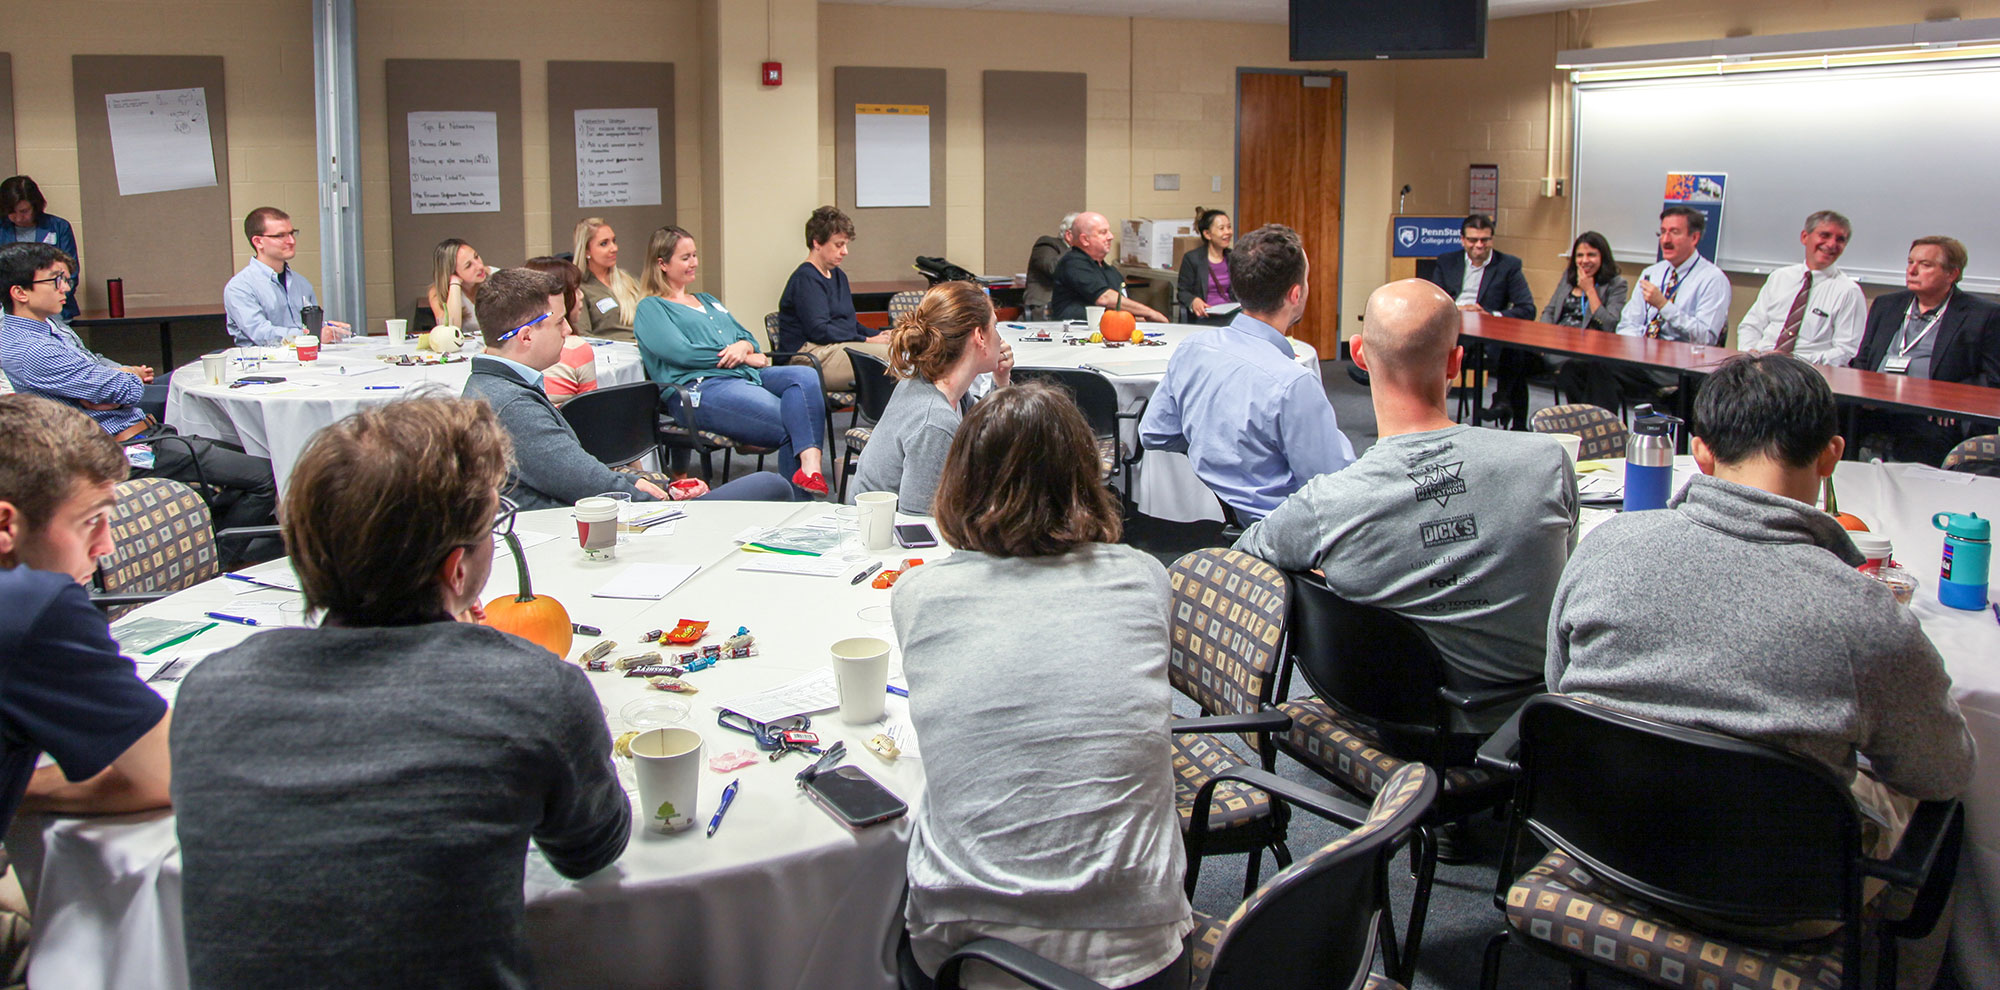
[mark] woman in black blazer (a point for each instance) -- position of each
(1204, 279)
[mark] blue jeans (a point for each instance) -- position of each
(787, 411)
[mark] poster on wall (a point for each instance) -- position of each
(618, 157)
(892, 154)
(159, 140)
(454, 161)
(1702, 191)
(1485, 189)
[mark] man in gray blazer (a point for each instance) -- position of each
(521, 313)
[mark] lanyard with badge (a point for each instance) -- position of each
(1899, 362)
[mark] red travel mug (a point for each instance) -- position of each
(115, 290)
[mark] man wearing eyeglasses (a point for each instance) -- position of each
(263, 300)
(43, 360)
(521, 312)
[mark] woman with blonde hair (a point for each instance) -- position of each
(457, 272)
(610, 296)
(687, 338)
(1048, 819)
(937, 350)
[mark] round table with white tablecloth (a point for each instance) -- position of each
(782, 896)
(275, 421)
(1165, 486)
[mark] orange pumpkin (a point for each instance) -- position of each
(1116, 324)
(1847, 520)
(539, 619)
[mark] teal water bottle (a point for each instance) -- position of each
(1968, 553)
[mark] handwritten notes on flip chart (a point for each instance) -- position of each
(618, 157)
(159, 140)
(454, 161)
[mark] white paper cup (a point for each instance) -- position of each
(597, 527)
(878, 519)
(399, 330)
(1093, 316)
(1571, 445)
(861, 671)
(667, 763)
(215, 369)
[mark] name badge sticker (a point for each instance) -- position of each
(606, 305)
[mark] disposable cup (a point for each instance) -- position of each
(308, 346)
(399, 331)
(215, 369)
(861, 671)
(597, 527)
(878, 519)
(1571, 445)
(1093, 315)
(667, 763)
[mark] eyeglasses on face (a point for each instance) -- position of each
(59, 281)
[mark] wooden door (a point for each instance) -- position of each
(1290, 132)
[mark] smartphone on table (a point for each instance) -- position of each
(915, 535)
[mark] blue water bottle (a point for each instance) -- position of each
(1968, 553)
(1649, 459)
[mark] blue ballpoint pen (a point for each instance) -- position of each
(728, 795)
(370, 388)
(239, 620)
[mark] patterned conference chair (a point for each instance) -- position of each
(162, 540)
(904, 302)
(834, 400)
(1976, 455)
(1227, 619)
(1602, 431)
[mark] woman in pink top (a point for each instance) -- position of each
(575, 372)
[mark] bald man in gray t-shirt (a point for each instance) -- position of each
(1463, 530)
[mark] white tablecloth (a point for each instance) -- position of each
(783, 896)
(1166, 486)
(275, 421)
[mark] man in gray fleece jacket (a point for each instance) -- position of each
(1759, 625)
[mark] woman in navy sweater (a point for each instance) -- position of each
(816, 313)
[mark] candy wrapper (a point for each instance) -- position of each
(657, 670)
(685, 632)
(886, 579)
(622, 745)
(637, 660)
(670, 683)
(596, 655)
(735, 759)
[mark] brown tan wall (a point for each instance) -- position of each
(1170, 109)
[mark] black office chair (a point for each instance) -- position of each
(1381, 702)
(615, 424)
(872, 388)
(1649, 824)
(1315, 926)
(1098, 399)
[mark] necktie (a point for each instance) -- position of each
(1659, 321)
(1789, 336)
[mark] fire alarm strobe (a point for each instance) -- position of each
(774, 73)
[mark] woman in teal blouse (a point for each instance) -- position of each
(688, 338)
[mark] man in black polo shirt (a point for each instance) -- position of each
(1083, 278)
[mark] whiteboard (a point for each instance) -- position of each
(1903, 151)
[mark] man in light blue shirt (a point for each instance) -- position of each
(1256, 425)
(1683, 296)
(262, 302)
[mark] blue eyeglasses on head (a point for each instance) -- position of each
(520, 328)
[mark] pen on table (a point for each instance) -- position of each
(368, 388)
(899, 692)
(728, 795)
(863, 576)
(239, 620)
(583, 630)
(247, 579)
(1996, 612)
(177, 640)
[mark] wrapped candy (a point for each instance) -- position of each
(638, 660)
(685, 632)
(657, 670)
(670, 683)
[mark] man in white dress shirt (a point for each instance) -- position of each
(1681, 297)
(1812, 310)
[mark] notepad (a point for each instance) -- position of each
(785, 563)
(646, 581)
(814, 692)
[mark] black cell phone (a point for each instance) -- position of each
(914, 535)
(854, 798)
(257, 380)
